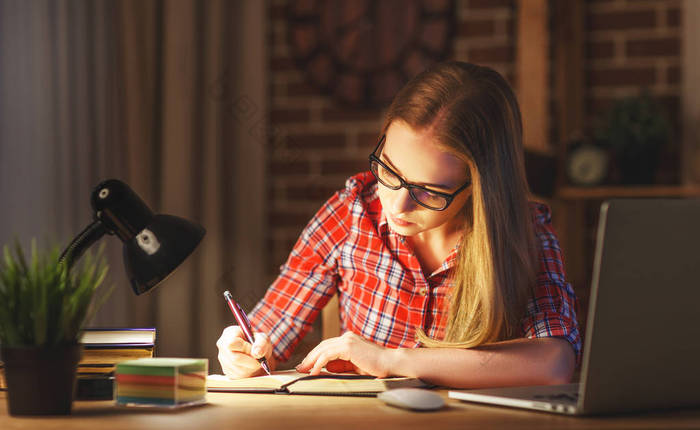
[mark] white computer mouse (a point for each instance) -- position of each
(416, 399)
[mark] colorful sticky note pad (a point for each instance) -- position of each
(163, 382)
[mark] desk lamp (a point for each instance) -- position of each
(154, 245)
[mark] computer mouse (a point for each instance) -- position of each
(416, 399)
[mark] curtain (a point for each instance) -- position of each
(146, 92)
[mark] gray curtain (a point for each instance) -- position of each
(142, 91)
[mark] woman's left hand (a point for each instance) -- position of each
(348, 352)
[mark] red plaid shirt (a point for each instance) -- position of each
(348, 249)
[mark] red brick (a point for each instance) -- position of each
(490, 4)
(437, 5)
(599, 50)
(276, 38)
(275, 193)
(497, 54)
(289, 115)
(671, 107)
(301, 89)
(366, 142)
(669, 46)
(415, 62)
(279, 168)
(303, 39)
(280, 249)
(628, 76)
(673, 17)
(434, 35)
(277, 12)
(622, 20)
(673, 75)
(343, 167)
(350, 114)
(318, 140)
(597, 107)
(476, 28)
(282, 64)
(275, 260)
(321, 70)
(278, 89)
(285, 246)
(289, 244)
(302, 7)
(287, 219)
(509, 77)
(510, 28)
(319, 191)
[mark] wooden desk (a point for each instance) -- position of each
(278, 412)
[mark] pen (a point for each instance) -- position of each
(244, 323)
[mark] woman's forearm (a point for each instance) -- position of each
(542, 361)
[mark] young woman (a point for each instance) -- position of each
(443, 268)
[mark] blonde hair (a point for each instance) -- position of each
(472, 112)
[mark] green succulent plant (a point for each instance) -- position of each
(42, 301)
(634, 124)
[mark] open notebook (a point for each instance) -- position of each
(293, 382)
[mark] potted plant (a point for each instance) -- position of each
(635, 130)
(43, 307)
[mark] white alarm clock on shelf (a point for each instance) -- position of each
(587, 164)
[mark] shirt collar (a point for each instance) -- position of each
(450, 261)
(385, 231)
(383, 226)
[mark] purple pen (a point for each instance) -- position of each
(244, 323)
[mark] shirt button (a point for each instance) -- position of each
(423, 291)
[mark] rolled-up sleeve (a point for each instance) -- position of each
(307, 280)
(551, 311)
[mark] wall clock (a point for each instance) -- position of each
(586, 164)
(361, 52)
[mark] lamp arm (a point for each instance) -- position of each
(91, 234)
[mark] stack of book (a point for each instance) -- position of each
(103, 348)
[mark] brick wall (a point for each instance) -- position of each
(316, 143)
(634, 44)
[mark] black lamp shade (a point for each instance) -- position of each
(152, 254)
(154, 245)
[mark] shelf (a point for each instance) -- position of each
(581, 193)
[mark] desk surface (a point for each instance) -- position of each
(269, 411)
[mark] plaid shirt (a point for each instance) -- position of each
(348, 249)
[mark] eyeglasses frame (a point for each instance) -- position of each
(409, 186)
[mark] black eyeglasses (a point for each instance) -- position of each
(425, 197)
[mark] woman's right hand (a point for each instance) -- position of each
(238, 358)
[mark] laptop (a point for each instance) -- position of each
(642, 342)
